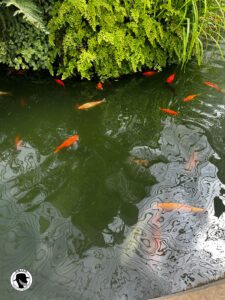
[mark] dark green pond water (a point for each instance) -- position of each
(86, 221)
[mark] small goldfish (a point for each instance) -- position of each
(190, 97)
(168, 206)
(68, 142)
(89, 105)
(149, 73)
(169, 111)
(59, 82)
(213, 86)
(18, 142)
(2, 93)
(171, 78)
(142, 162)
(23, 103)
(99, 86)
(192, 162)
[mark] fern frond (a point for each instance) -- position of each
(29, 10)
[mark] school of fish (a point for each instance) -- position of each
(189, 165)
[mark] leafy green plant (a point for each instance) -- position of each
(24, 43)
(28, 9)
(107, 38)
(112, 38)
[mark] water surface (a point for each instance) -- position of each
(85, 221)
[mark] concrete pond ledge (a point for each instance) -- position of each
(211, 291)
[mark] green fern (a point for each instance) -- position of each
(29, 10)
(107, 38)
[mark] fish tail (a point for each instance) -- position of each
(103, 100)
(56, 150)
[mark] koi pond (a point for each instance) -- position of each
(103, 219)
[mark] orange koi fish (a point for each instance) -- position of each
(142, 162)
(59, 82)
(168, 206)
(23, 103)
(192, 162)
(68, 142)
(171, 78)
(149, 73)
(190, 97)
(18, 143)
(89, 105)
(99, 86)
(213, 86)
(169, 111)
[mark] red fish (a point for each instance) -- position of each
(18, 142)
(99, 86)
(68, 142)
(169, 111)
(59, 82)
(17, 72)
(149, 73)
(213, 86)
(192, 162)
(20, 72)
(171, 78)
(168, 206)
(190, 97)
(23, 103)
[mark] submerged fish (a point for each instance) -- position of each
(99, 86)
(2, 93)
(89, 105)
(169, 111)
(190, 97)
(171, 78)
(141, 162)
(68, 142)
(23, 103)
(59, 82)
(149, 73)
(18, 142)
(168, 206)
(213, 86)
(192, 162)
(21, 72)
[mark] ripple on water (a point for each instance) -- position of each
(146, 251)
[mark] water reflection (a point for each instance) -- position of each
(173, 244)
(156, 253)
(85, 222)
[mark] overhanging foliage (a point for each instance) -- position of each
(109, 38)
